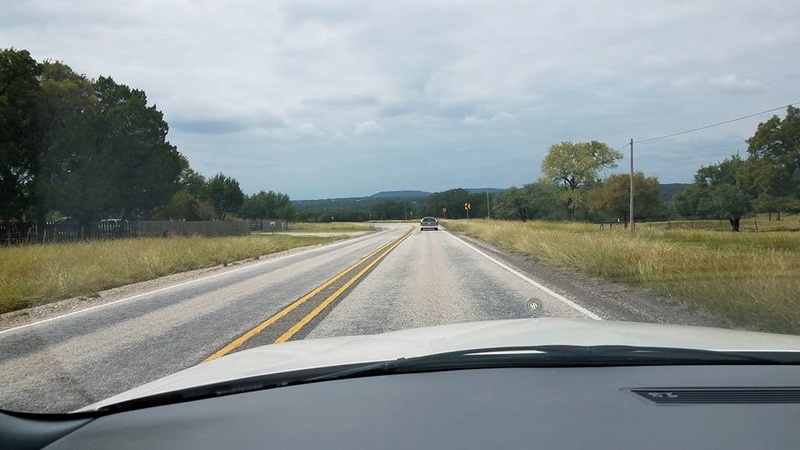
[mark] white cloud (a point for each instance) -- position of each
(307, 128)
(732, 82)
(339, 136)
(473, 120)
(367, 127)
(501, 116)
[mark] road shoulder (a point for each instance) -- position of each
(610, 300)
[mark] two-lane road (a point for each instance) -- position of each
(394, 279)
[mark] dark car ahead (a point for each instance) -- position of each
(428, 223)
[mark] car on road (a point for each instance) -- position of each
(428, 223)
(544, 383)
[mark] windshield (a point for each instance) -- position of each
(183, 181)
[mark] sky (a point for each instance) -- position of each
(343, 98)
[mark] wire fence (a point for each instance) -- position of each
(15, 233)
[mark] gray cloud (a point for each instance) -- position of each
(732, 82)
(347, 98)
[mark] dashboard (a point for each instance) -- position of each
(731, 407)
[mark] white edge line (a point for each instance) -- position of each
(538, 285)
(185, 283)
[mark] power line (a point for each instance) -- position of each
(712, 125)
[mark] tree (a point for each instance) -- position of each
(143, 168)
(774, 162)
(267, 205)
(64, 169)
(390, 209)
(19, 97)
(535, 201)
(189, 202)
(719, 191)
(576, 166)
(695, 202)
(612, 197)
(225, 194)
(104, 151)
(453, 201)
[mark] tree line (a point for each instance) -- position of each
(91, 149)
(766, 181)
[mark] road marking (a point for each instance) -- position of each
(536, 284)
(282, 313)
(321, 307)
(186, 283)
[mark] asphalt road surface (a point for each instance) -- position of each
(69, 355)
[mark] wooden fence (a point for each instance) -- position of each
(269, 225)
(68, 231)
(164, 228)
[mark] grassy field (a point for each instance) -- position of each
(36, 274)
(760, 223)
(330, 227)
(751, 278)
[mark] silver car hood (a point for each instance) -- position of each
(314, 353)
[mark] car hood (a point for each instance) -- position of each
(315, 353)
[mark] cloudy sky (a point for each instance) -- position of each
(344, 98)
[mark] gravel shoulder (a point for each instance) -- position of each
(610, 300)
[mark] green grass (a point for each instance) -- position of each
(32, 275)
(760, 223)
(330, 227)
(751, 278)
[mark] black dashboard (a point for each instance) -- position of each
(731, 407)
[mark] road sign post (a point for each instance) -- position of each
(467, 207)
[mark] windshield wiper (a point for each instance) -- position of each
(497, 357)
(563, 356)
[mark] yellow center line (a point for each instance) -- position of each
(260, 327)
(310, 316)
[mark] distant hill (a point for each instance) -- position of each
(492, 191)
(400, 194)
(670, 190)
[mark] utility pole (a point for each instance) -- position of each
(405, 211)
(488, 211)
(630, 213)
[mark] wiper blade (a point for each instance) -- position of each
(223, 388)
(486, 358)
(563, 356)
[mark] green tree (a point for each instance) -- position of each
(774, 162)
(694, 202)
(453, 201)
(67, 168)
(188, 202)
(719, 191)
(104, 150)
(390, 210)
(535, 201)
(612, 197)
(19, 97)
(225, 194)
(576, 166)
(268, 205)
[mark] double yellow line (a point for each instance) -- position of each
(386, 249)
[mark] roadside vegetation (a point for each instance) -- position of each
(330, 227)
(751, 278)
(759, 223)
(32, 275)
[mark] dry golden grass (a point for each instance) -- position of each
(330, 227)
(751, 278)
(35, 274)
